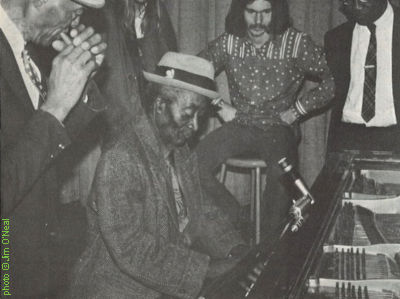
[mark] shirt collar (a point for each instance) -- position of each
(274, 40)
(387, 17)
(247, 41)
(12, 33)
(139, 13)
(167, 153)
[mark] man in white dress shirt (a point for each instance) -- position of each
(37, 125)
(364, 56)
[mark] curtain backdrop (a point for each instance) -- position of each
(199, 21)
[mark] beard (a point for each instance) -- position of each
(175, 136)
(170, 132)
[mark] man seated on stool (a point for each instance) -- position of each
(266, 61)
(153, 232)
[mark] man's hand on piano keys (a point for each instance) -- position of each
(220, 267)
(239, 251)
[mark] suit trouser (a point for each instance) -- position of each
(232, 140)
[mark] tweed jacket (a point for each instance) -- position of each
(32, 142)
(338, 50)
(135, 248)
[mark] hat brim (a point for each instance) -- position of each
(91, 3)
(177, 83)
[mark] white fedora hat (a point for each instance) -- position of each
(187, 72)
(91, 3)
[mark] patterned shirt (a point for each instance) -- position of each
(263, 82)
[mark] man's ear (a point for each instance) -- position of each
(159, 105)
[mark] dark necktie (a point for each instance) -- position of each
(368, 106)
(32, 70)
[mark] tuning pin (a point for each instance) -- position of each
(257, 270)
(244, 286)
(251, 277)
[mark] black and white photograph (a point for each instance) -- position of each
(200, 149)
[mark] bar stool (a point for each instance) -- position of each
(255, 166)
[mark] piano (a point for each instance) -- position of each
(348, 247)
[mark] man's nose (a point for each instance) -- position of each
(258, 18)
(358, 4)
(195, 122)
(78, 11)
(76, 8)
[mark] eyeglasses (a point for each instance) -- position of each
(351, 2)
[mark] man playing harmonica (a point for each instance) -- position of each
(36, 127)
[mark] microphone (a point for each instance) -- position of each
(301, 204)
(295, 178)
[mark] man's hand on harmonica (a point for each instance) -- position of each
(79, 56)
(86, 38)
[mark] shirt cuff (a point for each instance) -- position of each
(298, 107)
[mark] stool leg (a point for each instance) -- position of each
(252, 205)
(222, 174)
(258, 204)
(252, 194)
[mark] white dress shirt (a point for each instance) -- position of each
(17, 43)
(139, 16)
(384, 103)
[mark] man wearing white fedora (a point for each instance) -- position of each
(154, 233)
(36, 128)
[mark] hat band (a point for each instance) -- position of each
(190, 78)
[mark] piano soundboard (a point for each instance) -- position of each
(360, 258)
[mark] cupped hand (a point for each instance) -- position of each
(70, 72)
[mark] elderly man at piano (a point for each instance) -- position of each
(154, 233)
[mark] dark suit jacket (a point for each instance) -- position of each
(121, 80)
(159, 36)
(31, 144)
(136, 249)
(338, 50)
(118, 79)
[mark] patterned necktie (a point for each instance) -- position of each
(368, 106)
(32, 71)
(178, 194)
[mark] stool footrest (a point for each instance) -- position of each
(246, 163)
